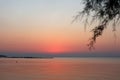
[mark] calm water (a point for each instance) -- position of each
(60, 69)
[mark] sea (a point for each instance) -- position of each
(60, 69)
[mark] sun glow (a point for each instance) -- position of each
(56, 49)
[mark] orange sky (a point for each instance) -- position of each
(42, 26)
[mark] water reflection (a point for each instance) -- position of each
(59, 69)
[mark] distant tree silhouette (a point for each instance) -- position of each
(104, 11)
(1, 56)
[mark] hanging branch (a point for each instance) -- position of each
(105, 11)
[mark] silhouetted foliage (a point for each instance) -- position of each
(105, 11)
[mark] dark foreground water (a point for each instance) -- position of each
(60, 69)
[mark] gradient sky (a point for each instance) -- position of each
(45, 26)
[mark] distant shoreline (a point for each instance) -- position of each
(28, 57)
(3, 56)
(50, 57)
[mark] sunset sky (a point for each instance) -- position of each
(45, 26)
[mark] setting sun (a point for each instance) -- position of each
(55, 48)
